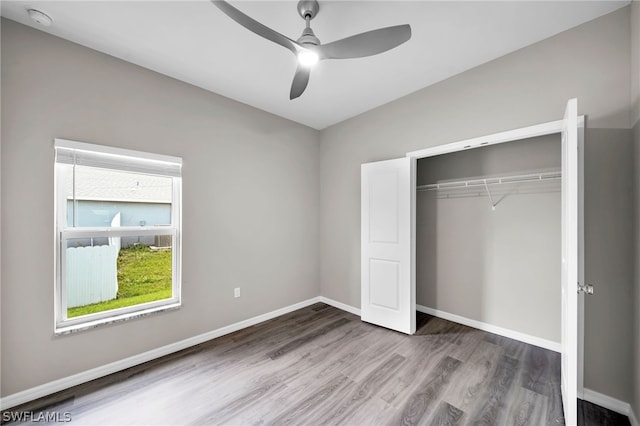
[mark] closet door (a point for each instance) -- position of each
(388, 251)
(570, 262)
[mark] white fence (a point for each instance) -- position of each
(92, 272)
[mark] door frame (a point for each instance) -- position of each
(548, 128)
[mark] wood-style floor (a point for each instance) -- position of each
(321, 365)
(593, 415)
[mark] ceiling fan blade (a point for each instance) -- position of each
(366, 44)
(255, 26)
(300, 81)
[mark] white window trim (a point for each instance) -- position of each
(64, 325)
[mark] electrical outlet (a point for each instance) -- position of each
(236, 292)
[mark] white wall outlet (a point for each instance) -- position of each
(236, 292)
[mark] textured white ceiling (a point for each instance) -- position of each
(195, 42)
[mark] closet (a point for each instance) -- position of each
(488, 236)
(488, 257)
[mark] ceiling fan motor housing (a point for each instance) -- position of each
(308, 37)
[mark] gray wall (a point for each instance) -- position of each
(635, 402)
(608, 204)
(250, 200)
(530, 86)
(635, 119)
(497, 266)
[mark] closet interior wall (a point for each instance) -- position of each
(500, 266)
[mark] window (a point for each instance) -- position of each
(118, 234)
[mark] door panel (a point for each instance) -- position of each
(388, 280)
(383, 207)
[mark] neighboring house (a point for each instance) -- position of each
(141, 200)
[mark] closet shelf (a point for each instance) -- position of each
(491, 181)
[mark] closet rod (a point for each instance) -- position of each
(491, 181)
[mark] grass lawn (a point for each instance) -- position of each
(143, 276)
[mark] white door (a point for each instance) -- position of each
(569, 342)
(388, 249)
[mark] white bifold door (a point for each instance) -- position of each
(388, 249)
(388, 230)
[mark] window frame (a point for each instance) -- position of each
(63, 324)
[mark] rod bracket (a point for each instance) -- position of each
(486, 186)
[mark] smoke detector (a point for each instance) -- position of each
(40, 17)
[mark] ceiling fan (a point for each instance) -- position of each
(308, 48)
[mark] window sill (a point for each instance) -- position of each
(88, 325)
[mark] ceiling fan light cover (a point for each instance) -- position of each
(308, 58)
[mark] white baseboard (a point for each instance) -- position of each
(516, 335)
(86, 376)
(610, 403)
(339, 305)
(532, 340)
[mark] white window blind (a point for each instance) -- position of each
(83, 154)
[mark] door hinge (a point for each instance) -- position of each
(587, 289)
